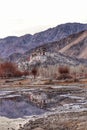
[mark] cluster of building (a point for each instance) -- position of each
(38, 52)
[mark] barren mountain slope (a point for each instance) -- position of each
(74, 45)
(71, 48)
(11, 45)
(77, 48)
(83, 54)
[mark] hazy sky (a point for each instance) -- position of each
(18, 17)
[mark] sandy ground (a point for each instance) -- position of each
(11, 124)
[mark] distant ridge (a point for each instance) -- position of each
(20, 45)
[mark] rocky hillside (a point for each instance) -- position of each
(20, 45)
(48, 59)
(70, 50)
(77, 47)
(14, 57)
(74, 45)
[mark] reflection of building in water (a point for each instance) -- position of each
(39, 98)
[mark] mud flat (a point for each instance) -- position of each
(67, 110)
(15, 109)
(52, 107)
(59, 121)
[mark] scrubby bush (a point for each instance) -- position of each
(34, 72)
(17, 73)
(8, 69)
(64, 72)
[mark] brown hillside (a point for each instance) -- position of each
(78, 47)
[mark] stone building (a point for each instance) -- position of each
(38, 52)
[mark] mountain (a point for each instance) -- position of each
(20, 45)
(14, 57)
(71, 50)
(11, 45)
(65, 51)
(77, 47)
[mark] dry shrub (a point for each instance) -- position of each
(34, 72)
(9, 69)
(64, 72)
(20, 83)
(17, 73)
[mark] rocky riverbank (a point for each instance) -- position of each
(59, 121)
